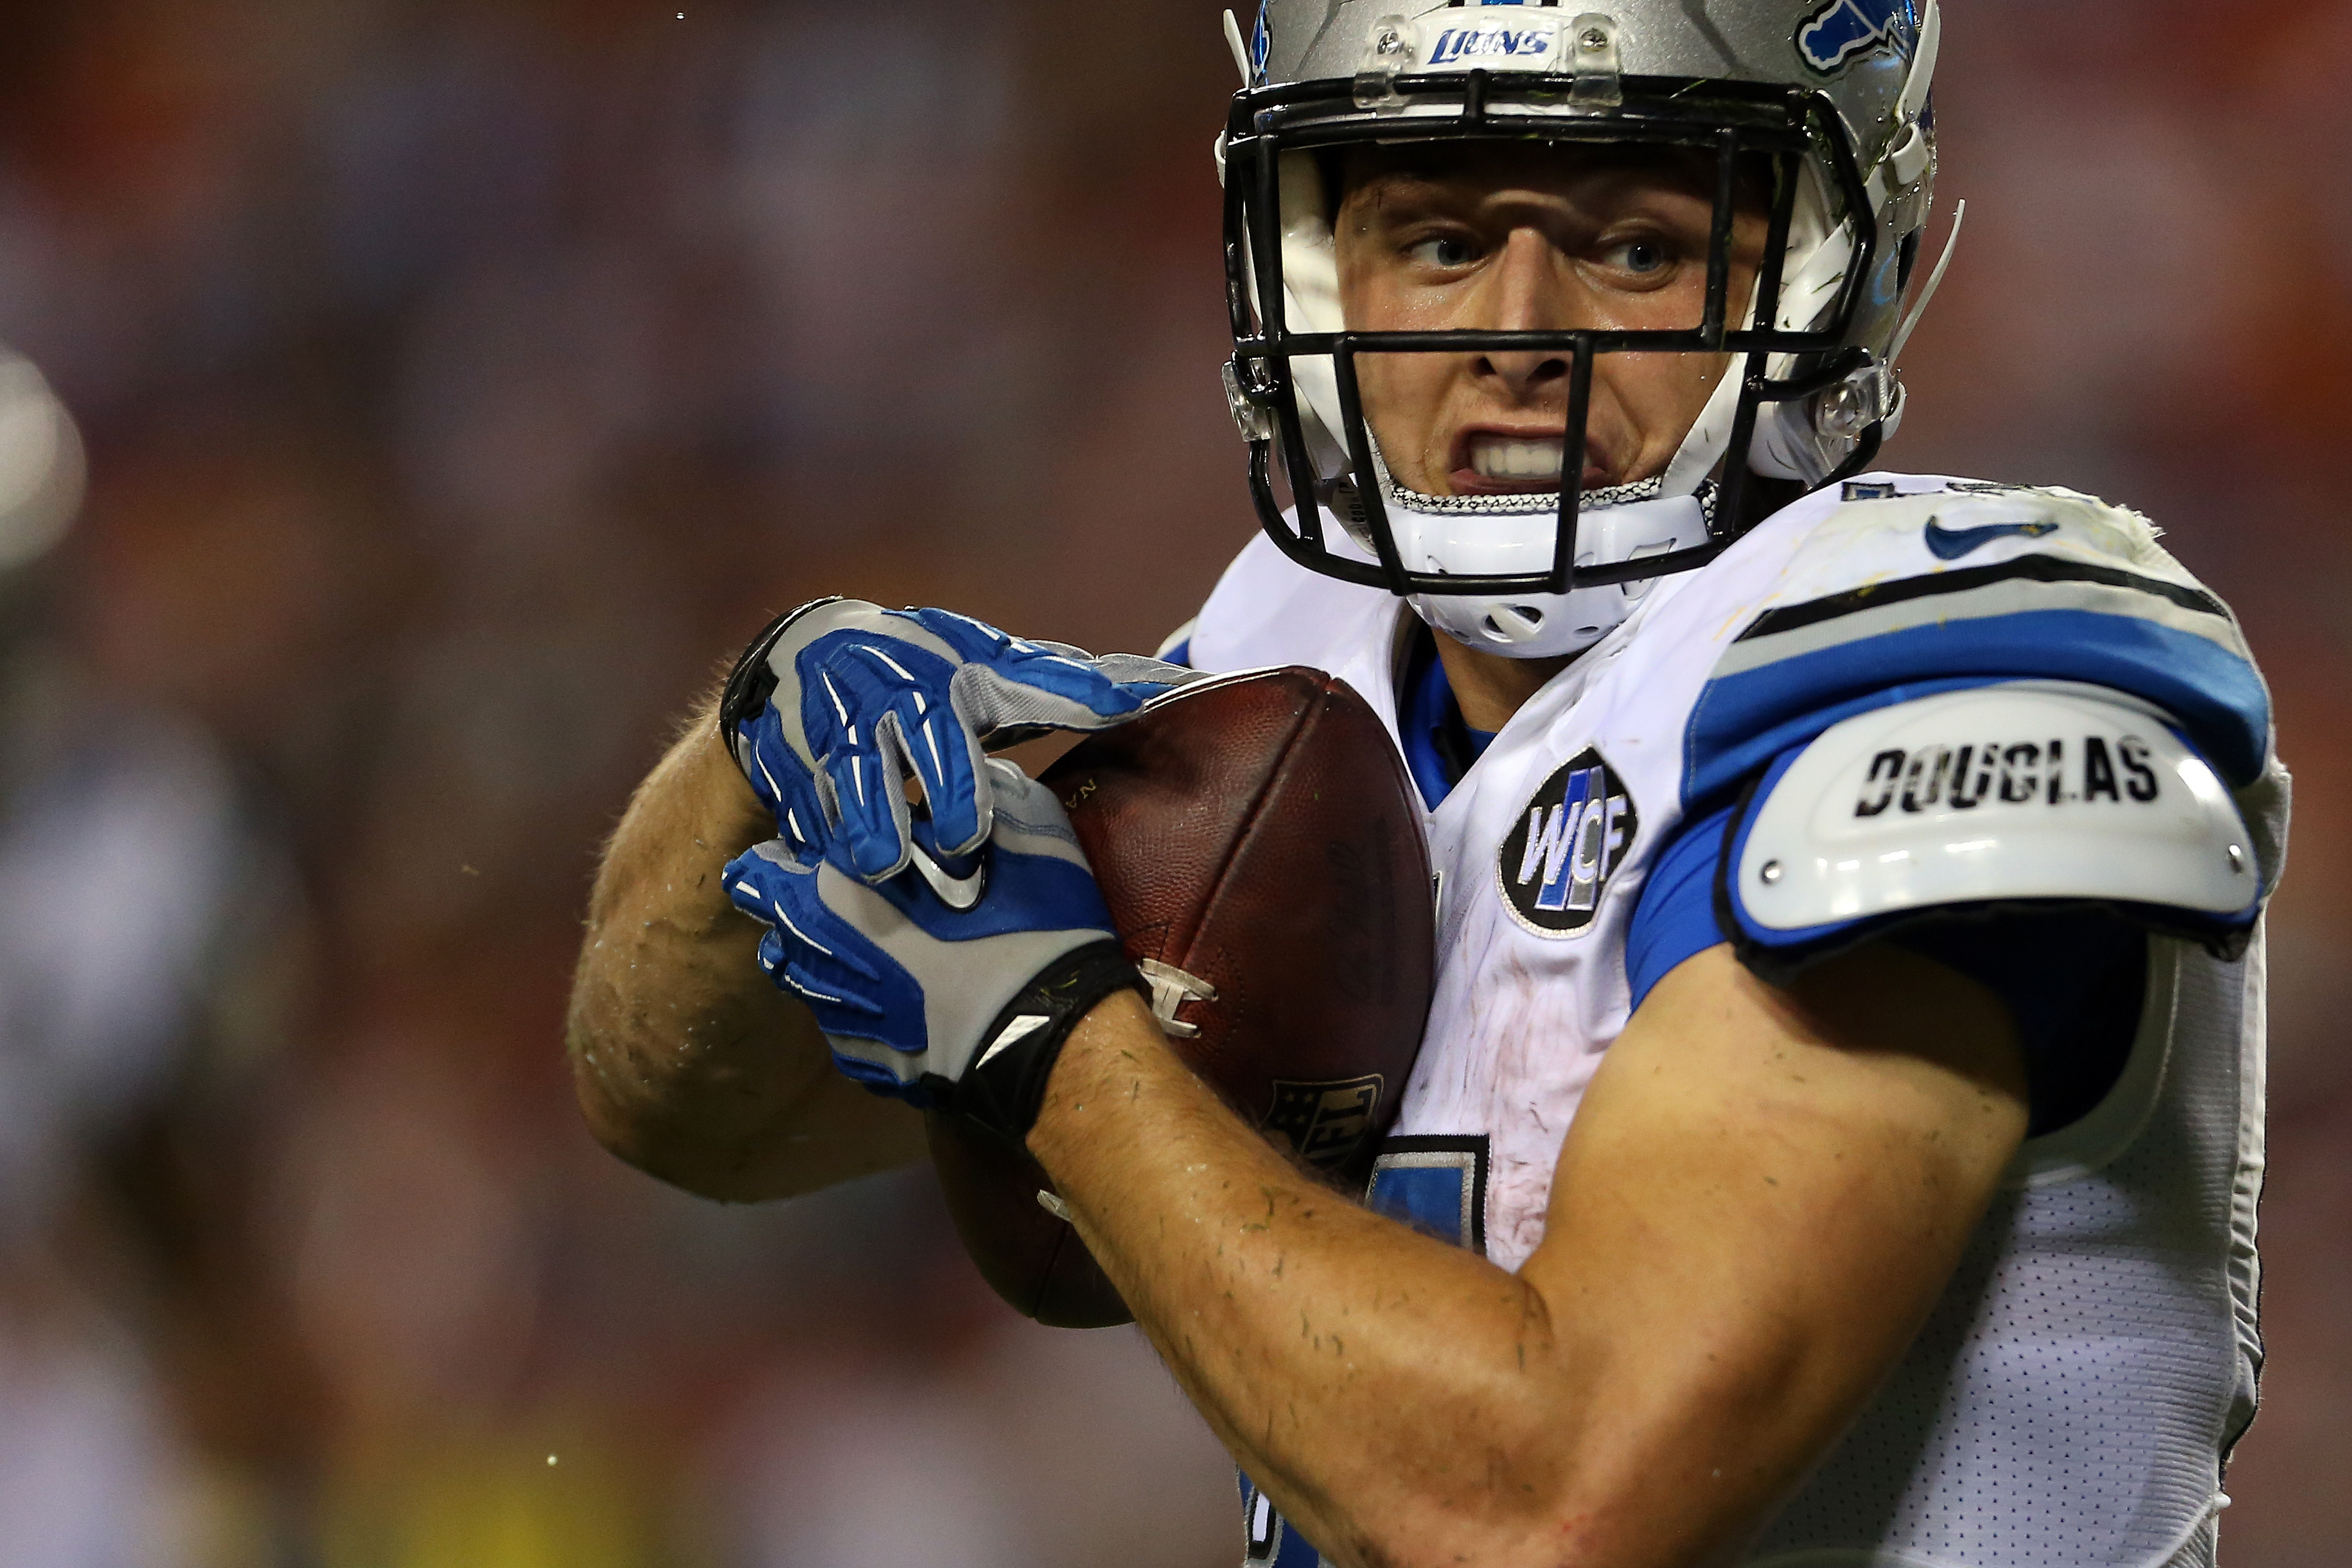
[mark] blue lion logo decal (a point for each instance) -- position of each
(1843, 29)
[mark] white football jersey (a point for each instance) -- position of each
(2075, 1392)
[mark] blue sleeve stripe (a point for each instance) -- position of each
(1182, 654)
(1742, 721)
(1674, 918)
(1893, 611)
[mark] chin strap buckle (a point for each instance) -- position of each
(1845, 410)
(1250, 415)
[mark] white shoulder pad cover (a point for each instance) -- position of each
(2025, 790)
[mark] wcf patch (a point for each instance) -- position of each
(1558, 860)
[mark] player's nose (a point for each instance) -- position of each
(1531, 289)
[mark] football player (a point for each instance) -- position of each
(1836, 1136)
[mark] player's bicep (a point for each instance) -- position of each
(1763, 1193)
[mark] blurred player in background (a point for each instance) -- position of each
(1836, 1136)
(140, 969)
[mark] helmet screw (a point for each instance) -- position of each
(2237, 859)
(1770, 872)
(1845, 411)
(1592, 40)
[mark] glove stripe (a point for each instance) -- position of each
(814, 995)
(796, 931)
(892, 665)
(931, 739)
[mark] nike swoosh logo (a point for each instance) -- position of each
(958, 893)
(1951, 544)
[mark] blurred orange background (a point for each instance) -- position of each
(464, 381)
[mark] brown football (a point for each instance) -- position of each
(1261, 849)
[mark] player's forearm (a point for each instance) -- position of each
(1763, 1195)
(688, 1063)
(1302, 1325)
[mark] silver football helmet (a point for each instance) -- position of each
(41, 465)
(1830, 96)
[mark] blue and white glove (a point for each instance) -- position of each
(954, 1007)
(834, 707)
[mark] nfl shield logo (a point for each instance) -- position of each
(1325, 1123)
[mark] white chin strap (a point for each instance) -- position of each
(1632, 522)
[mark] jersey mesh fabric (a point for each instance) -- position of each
(2064, 1403)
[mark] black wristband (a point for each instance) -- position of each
(1004, 1087)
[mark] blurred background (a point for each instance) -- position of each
(464, 381)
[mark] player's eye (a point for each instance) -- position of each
(1444, 252)
(1643, 256)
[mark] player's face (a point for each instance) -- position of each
(1532, 239)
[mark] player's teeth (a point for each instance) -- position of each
(1499, 457)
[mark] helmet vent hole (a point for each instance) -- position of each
(1528, 613)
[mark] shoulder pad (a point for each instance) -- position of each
(1896, 596)
(2015, 792)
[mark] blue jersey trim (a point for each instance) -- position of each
(1429, 1200)
(1673, 919)
(1268, 1540)
(1182, 654)
(1426, 711)
(1741, 722)
(1435, 1184)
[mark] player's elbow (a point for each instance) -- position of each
(1515, 1498)
(730, 1111)
(1549, 1492)
(631, 1119)
(633, 1134)
(1567, 1528)
(619, 1113)
(1512, 1528)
